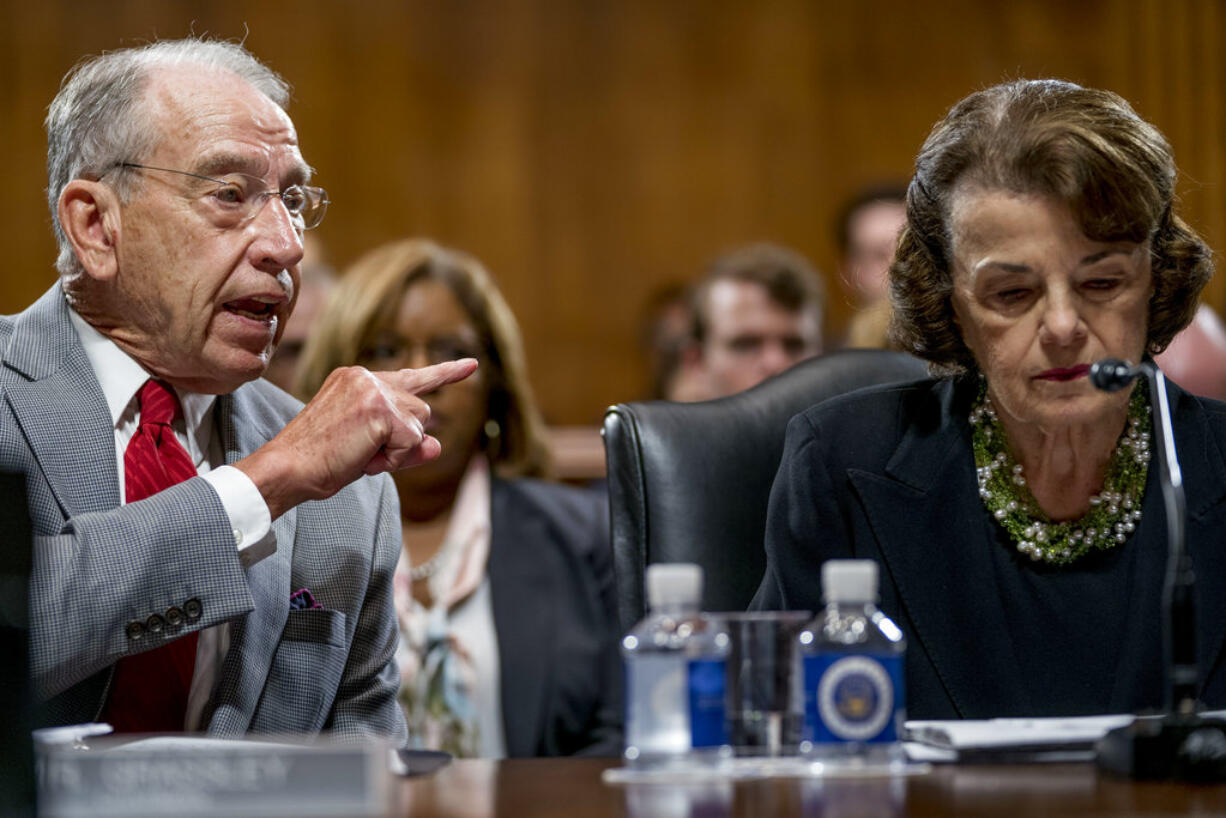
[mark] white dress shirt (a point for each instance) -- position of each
(121, 378)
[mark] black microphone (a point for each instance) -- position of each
(1112, 374)
(1179, 743)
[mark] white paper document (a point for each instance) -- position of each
(1020, 735)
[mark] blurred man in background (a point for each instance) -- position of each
(868, 233)
(756, 312)
(664, 335)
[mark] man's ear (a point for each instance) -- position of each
(89, 216)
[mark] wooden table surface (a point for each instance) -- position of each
(573, 788)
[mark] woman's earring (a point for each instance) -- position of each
(493, 438)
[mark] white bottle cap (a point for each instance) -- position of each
(674, 583)
(849, 581)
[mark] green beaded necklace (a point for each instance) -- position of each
(1114, 512)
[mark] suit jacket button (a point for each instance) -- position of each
(174, 616)
(192, 609)
(134, 630)
(155, 623)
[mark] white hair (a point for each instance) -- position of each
(98, 119)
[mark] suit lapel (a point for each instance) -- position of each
(60, 408)
(254, 638)
(522, 594)
(932, 532)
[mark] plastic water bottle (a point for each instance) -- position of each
(675, 662)
(852, 654)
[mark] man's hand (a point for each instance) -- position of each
(360, 422)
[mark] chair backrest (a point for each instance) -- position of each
(689, 482)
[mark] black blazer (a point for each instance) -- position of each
(555, 615)
(888, 473)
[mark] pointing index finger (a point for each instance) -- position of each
(429, 378)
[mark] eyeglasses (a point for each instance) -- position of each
(239, 197)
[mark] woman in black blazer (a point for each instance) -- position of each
(1015, 509)
(505, 589)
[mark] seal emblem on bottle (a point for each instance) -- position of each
(855, 698)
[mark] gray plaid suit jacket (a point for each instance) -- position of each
(99, 565)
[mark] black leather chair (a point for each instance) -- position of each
(689, 482)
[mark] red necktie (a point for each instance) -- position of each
(149, 690)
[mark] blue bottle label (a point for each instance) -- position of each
(853, 697)
(707, 723)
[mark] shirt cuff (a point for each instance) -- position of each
(250, 520)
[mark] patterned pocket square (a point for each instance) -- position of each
(302, 600)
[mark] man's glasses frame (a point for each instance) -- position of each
(301, 201)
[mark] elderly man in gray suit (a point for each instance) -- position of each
(232, 575)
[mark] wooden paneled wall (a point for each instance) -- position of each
(590, 151)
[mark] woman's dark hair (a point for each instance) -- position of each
(1085, 147)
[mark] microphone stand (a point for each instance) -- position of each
(1179, 743)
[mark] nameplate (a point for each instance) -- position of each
(190, 777)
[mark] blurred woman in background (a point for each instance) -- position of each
(505, 588)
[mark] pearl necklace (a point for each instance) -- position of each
(430, 567)
(1114, 512)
